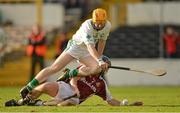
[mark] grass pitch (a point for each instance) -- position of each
(155, 99)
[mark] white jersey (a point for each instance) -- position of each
(88, 35)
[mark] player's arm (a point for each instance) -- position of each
(73, 83)
(103, 38)
(91, 48)
(97, 53)
(101, 46)
(114, 102)
(89, 41)
(106, 96)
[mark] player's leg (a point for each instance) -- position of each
(59, 63)
(49, 88)
(84, 57)
(90, 67)
(57, 90)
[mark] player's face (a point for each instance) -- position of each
(99, 25)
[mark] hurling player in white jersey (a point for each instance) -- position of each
(82, 48)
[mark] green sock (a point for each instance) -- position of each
(32, 84)
(72, 73)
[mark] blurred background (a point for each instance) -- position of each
(144, 34)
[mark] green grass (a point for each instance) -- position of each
(156, 99)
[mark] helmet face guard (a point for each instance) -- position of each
(106, 59)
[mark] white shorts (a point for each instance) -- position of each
(65, 90)
(76, 51)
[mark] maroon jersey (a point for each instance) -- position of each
(93, 85)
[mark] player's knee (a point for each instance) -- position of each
(96, 69)
(50, 88)
(42, 87)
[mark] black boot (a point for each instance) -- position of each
(24, 92)
(11, 102)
